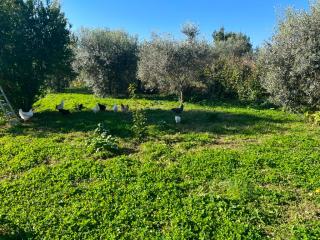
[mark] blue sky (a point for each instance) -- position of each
(256, 18)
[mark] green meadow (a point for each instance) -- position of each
(227, 171)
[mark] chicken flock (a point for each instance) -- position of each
(98, 108)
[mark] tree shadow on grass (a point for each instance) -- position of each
(218, 122)
(48, 122)
(119, 124)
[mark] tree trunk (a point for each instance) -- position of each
(181, 96)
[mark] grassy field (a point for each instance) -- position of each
(226, 172)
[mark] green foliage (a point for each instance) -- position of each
(2, 120)
(173, 66)
(34, 51)
(229, 172)
(231, 43)
(233, 77)
(196, 70)
(139, 124)
(290, 60)
(102, 142)
(313, 117)
(107, 60)
(132, 90)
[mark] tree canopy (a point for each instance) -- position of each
(107, 60)
(34, 47)
(173, 66)
(231, 43)
(291, 60)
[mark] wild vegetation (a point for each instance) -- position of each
(235, 167)
(291, 61)
(227, 171)
(35, 50)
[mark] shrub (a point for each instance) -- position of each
(139, 124)
(102, 142)
(232, 77)
(132, 90)
(313, 118)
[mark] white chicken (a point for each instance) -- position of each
(177, 119)
(115, 108)
(96, 108)
(60, 106)
(26, 115)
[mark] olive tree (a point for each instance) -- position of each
(291, 60)
(107, 59)
(173, 66)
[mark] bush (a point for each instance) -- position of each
(291, 61)
(102, 142)
(139, 125)
(232, 71)
(132, 90)
(232, 77)
(313, 118)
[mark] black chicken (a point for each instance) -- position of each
(79, 107)
(178, 110)
(102, 107)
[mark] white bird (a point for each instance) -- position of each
(115, 108)
(60, 106)
(177, 119)
(96, 108)
(26, 115)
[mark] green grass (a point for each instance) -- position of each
(226, 172)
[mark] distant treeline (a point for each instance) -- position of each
(39, 52)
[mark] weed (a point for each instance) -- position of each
(102, 142)
(139, 124)
(132, 90)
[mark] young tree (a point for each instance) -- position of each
(173, 66)
(291, 61)
(108, 60)
(34, 46)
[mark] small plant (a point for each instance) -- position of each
(132, 90)
(2, 120)
(103, 142)
(313, 118)
(139, 126)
